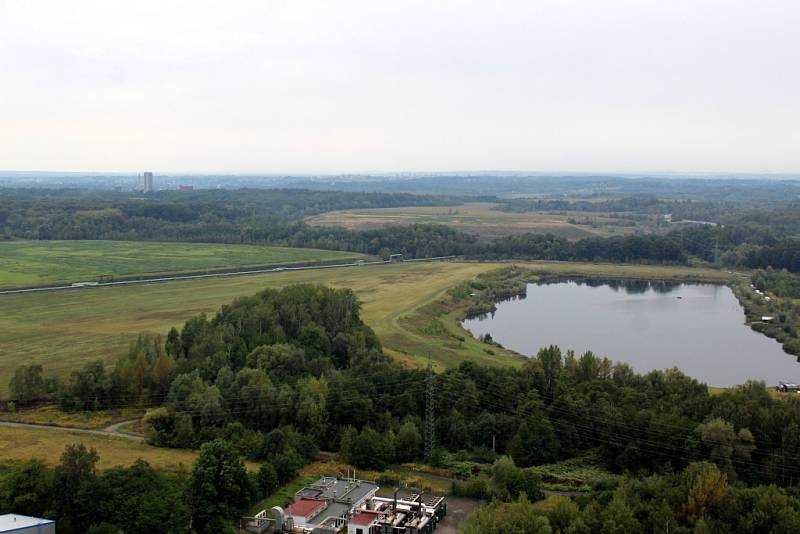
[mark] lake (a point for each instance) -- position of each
(698, 328)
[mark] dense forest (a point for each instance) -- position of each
(700, 499)
(225, 216)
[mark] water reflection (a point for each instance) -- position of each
(652, 325)
(631, 287)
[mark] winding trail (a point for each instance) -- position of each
(111, 430)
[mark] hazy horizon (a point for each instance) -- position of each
(310, 87)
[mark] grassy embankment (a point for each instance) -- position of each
(63, 330)
(784, 325)
(474, 218)
(28, 263)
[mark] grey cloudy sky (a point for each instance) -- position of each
(352, 86)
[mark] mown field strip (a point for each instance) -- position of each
(39, 262)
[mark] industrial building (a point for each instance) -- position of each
(23, 524)
(350, 506)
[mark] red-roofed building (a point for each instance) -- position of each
(362, 522)
(303, 510)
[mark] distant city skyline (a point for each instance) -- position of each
(360, 87)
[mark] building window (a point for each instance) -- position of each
(359, 531)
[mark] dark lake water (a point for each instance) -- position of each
(698, 328)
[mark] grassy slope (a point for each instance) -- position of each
(47, 445)
(36, 262)
(63, 330)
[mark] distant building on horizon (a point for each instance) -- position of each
(147, 182)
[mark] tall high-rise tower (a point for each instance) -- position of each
(147, 182)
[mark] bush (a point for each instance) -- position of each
(388, 479)
(477, 488)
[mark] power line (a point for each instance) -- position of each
(430, 424)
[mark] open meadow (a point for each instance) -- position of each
(64, 329)
(472, 217)
(19, 444)
(26, 263)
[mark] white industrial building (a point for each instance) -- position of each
(23, 524)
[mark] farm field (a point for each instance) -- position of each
(37, 262)
(472, 217)
(63, 330)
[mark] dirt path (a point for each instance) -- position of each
(112, 430)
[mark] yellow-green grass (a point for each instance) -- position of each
(27, 263)
(775, 394)
(471, 217)
(63, 330)
(50, 414)
(18, 444)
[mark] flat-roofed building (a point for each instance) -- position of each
(23, 524)
(351, 506)
(362, 522)
(303, 511)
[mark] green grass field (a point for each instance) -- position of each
(37, 262)
(64, 329)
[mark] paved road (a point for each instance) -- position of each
(112, 430)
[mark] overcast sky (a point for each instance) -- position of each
(354, 86)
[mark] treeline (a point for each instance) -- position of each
(84, 500)
(300, 360)
(742, 245)
(642, 204)
(635, 248)
(698, 500)
(780, 282)
(226, 216)
(746, 236)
